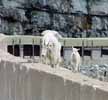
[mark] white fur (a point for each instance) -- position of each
(75, 59)
(52, 32)
(51, 48)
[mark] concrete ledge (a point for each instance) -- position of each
(87, 92)
(29, 81)
(101, 94)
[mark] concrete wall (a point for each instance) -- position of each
(20, 80)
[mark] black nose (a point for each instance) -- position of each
(42, 55)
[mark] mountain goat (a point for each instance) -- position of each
(75, 59)
(51, 48)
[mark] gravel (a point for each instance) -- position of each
(97, 71)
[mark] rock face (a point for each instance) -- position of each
(11, 18)
(72, 18)
(95, 71)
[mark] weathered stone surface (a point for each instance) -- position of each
(99, 7)
(36, 84)
(87, 92)
(78, 5)
(65, 16)
(41, 19)
(35, 81)
(10, 80)
(2, 77)
(96, 23)
(72, 90)
(101, 94)
(59, 22)
(52, 87)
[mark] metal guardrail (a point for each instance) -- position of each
(66, 42)
(84, 43)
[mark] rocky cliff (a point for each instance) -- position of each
(72, 18)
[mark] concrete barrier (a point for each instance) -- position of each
(20, 80)
(87, 92)
(101, 94)
(72, 90)
(36, 84)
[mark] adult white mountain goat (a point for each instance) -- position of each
(51, 48)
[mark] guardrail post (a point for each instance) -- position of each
(91, 49)
(64, 43)
(40, 47)
(82, 53)
(13, 47)
(101, 51)
(21, 51)
(33, 48)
